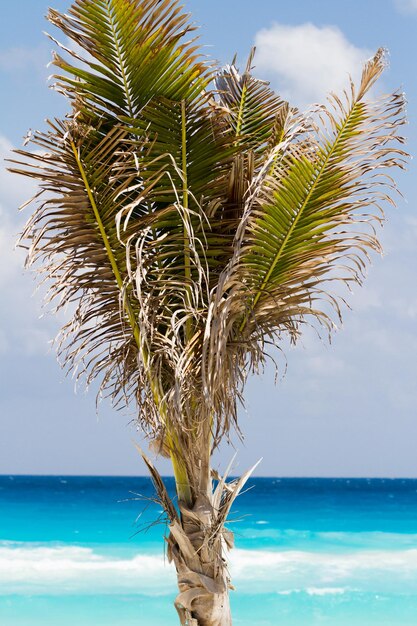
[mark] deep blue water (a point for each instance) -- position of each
(73, 551)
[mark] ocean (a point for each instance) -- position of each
(85, 551)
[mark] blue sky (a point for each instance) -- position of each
(348, 409)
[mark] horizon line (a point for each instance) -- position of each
(281, 477)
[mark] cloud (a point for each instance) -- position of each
(305, 62)
(406, 6)
(21, 329)
(13, 192)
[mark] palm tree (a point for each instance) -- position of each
(194, 218)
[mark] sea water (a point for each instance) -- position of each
(77, 551)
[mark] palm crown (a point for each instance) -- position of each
(193, 216)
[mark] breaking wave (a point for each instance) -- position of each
(68, 569)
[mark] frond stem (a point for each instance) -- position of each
(187, 261)
(126, 304)
(180, 473)
(121, 61)
(242, 104)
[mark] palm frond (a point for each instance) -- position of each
(258, 119)
(319, 207)
(309, 221)
(253, 110)
(74, 244)
(133, 52)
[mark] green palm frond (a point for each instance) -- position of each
(308, 223)
(253, 110)
(259, 121)
(175, 128)
(312, 214)
(133, 52)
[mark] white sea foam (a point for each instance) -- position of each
(316, 591)
(73, 569)
(43, 569)
(326, 591)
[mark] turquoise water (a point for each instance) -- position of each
(309, 552)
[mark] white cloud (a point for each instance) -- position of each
(21, 329)
(406, 6)
(305, 62)
(11, 260)
(13, 190)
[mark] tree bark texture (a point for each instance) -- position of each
(197, 550)
(197, 544)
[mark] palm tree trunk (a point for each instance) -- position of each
(198, 541)
(197, 549)
(198, 538)
(217, 612)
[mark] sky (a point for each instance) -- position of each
(348, 409)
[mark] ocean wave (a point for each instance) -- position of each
(332, 540)
(317, 591)
(69, 569)
(79, 570)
